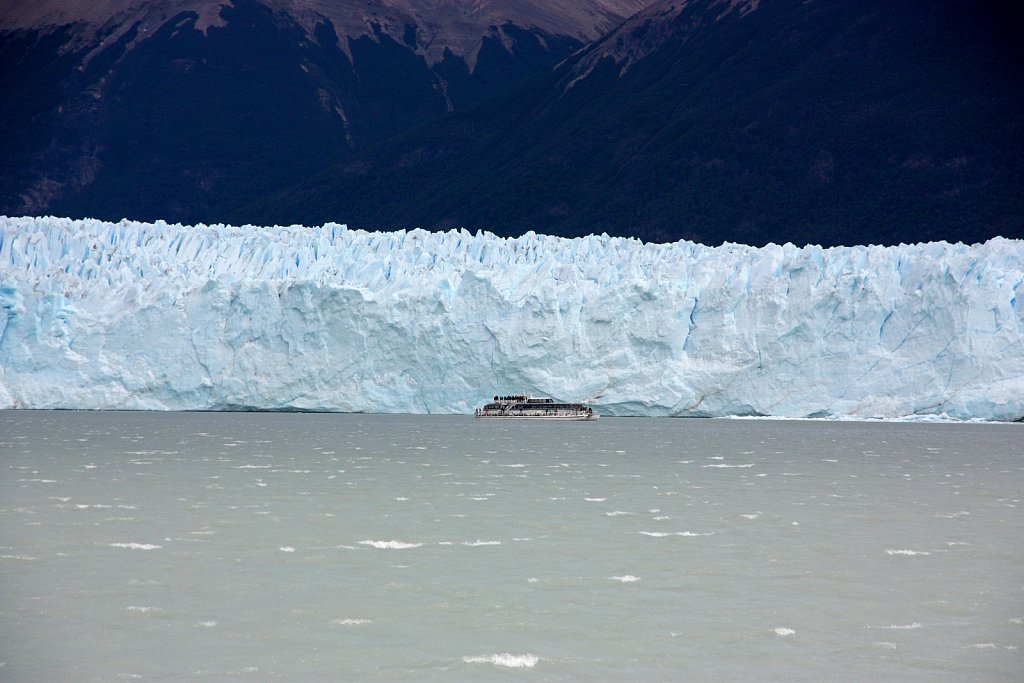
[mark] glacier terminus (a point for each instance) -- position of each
(152, 316)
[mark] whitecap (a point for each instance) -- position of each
(350, 622)
(907, 552)
(754, 515)
(595, 500)
(390, 545)
(286, 549)
(628, 578)
(616, 513)
(526, 661)
(136, 546)
(687, 534)
(783, 631)
(904, 627)
(476, 543)
(206, 624)
(725, 466)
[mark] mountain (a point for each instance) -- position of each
(811, 121)
(183, 109)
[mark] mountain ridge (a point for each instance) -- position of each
(810, 122)
(448, 24)
(179, 109)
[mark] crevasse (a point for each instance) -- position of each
(134, 315)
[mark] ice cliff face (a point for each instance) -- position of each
(154, 316)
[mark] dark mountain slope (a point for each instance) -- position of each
(825, 122)
(185, 109)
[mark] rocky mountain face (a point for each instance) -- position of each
(186, 109)
(811, 121)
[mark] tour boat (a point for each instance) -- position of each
(532, 408)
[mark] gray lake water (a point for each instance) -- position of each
(205, 546)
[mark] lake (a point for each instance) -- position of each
(325, 547)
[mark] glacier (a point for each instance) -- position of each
(153, 316)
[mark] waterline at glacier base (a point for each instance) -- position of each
(151, 316)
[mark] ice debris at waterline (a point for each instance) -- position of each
(154, 316)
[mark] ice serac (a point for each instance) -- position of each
(153, 316)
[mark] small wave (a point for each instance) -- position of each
(753, 515)
(136, 546)
(628, 578)
(206, 624)
(687, 534)
(904, 627)
(725, 466)
(907, 552)
(390, 545)
(143, 609)
(616, 513)
(511, 661)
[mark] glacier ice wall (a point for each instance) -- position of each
(154, 316)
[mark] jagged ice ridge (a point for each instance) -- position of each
(134, 315)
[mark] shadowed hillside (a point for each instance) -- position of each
(823, 122)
